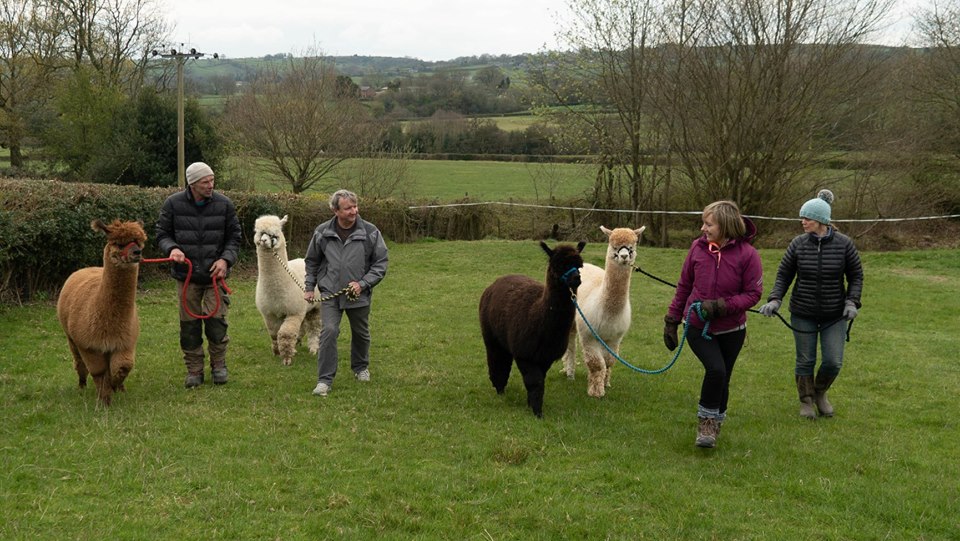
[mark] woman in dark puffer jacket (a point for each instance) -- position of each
(829, 279)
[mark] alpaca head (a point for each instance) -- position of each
(268, 232)
(622, 245)
(565, 264)
(125, 241)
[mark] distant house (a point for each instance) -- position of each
(367, 92)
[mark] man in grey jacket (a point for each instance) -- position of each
(345, 252)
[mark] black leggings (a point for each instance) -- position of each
(717, 357)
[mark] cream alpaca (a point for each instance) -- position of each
(279, 299)
(604, 298)
(97, 309)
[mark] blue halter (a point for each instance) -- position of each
(566, 275)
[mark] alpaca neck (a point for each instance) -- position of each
(272, 258)
(118, 285)
(616, 286)
(556, 295)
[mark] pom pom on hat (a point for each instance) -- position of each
(818, 208)
(197, 171)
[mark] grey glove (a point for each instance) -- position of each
(770, 308)
(849, 310)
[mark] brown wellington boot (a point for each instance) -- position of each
(820, 387)
(805, 391)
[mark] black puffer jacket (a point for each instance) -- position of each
(205, 233)
(820, 265)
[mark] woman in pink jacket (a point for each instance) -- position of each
(723, 272)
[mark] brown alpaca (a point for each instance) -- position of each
(524, 320)
(98, 310)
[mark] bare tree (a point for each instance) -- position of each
(604, 89)
(380, 174)
(291, 116)
(28, 62)
(764, 89)
(937, 84)
(113, 37)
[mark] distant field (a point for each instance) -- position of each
(451, 180)
(504, 122)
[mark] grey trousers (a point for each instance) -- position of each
(330, 315)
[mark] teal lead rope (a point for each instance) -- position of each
(686, 327)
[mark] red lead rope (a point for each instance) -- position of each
(186, 283)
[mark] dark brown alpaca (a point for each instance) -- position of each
(524, 320)
(97, 309)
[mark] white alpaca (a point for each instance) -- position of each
(604, 298)
(287, 315)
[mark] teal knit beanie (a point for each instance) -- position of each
(818, 208)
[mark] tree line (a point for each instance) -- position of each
(676, 101)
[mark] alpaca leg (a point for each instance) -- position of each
(610, 360)
(273, 327)
(104, 388)
(310, 328)
(570, 357)
(98, 367)
(287, 338)
(78, 364)
(596, 371)
(533, 380)
(499, 363)
(121, 363)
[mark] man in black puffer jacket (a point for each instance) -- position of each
(202, 226)
(829, 281)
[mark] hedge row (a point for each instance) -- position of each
(45, 229)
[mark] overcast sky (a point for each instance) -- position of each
(425, 29)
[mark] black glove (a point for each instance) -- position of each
(670, 332)
(713, 308)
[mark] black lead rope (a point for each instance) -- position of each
(820, 328)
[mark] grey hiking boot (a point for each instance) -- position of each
(219, 375)
(194, 379)
(363, 375)
(708, 429)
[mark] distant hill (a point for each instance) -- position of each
(241, 69)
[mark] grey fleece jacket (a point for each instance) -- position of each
(332, 264)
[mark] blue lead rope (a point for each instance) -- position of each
(686, 327)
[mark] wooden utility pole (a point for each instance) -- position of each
(181, 58)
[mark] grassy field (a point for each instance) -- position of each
(427, 450)
(450, 180)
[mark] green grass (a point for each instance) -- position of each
(427, 450)
(450, 180)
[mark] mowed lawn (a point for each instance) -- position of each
(428, 450)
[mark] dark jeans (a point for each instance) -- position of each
(717, 357)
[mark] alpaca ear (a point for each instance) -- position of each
(580, 245)
(546, 249)
(639, 232)
(98, 225)
(605, 231)
(283, 220)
